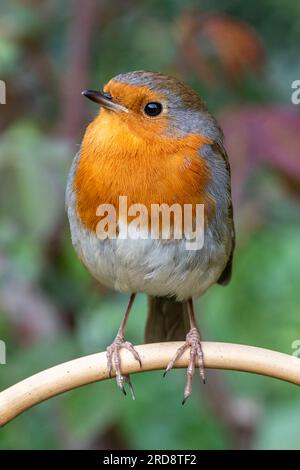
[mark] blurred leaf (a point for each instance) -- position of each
(269, 134)
(280, 428)
(37, 168)
(91, 409)
(34, 430)
(216, 46)
(165, 423)
(9, 54)
(262, 135)
(99, 323)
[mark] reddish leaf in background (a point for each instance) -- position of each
(262, 135)
(218, 47)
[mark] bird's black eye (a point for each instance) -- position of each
(153, 109)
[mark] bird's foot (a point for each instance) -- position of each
(194, 343)
(114, 360)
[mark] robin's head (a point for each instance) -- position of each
(153, 106)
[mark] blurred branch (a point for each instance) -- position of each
(92, 368)
(84, 21)
(79, 52)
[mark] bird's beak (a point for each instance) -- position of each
(104, 99)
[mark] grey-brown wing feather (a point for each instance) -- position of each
(220, 189)
(225, 277)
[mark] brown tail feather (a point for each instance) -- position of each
(167, 320)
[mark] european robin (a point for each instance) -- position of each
(154, 142)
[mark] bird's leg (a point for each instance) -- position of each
(193, 342)
(113, 352)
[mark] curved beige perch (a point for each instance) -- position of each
(88, 369)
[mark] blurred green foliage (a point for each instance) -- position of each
(68, 314)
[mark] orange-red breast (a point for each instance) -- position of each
(154, 142)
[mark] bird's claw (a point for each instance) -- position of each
(194, 343)
(114, 360)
